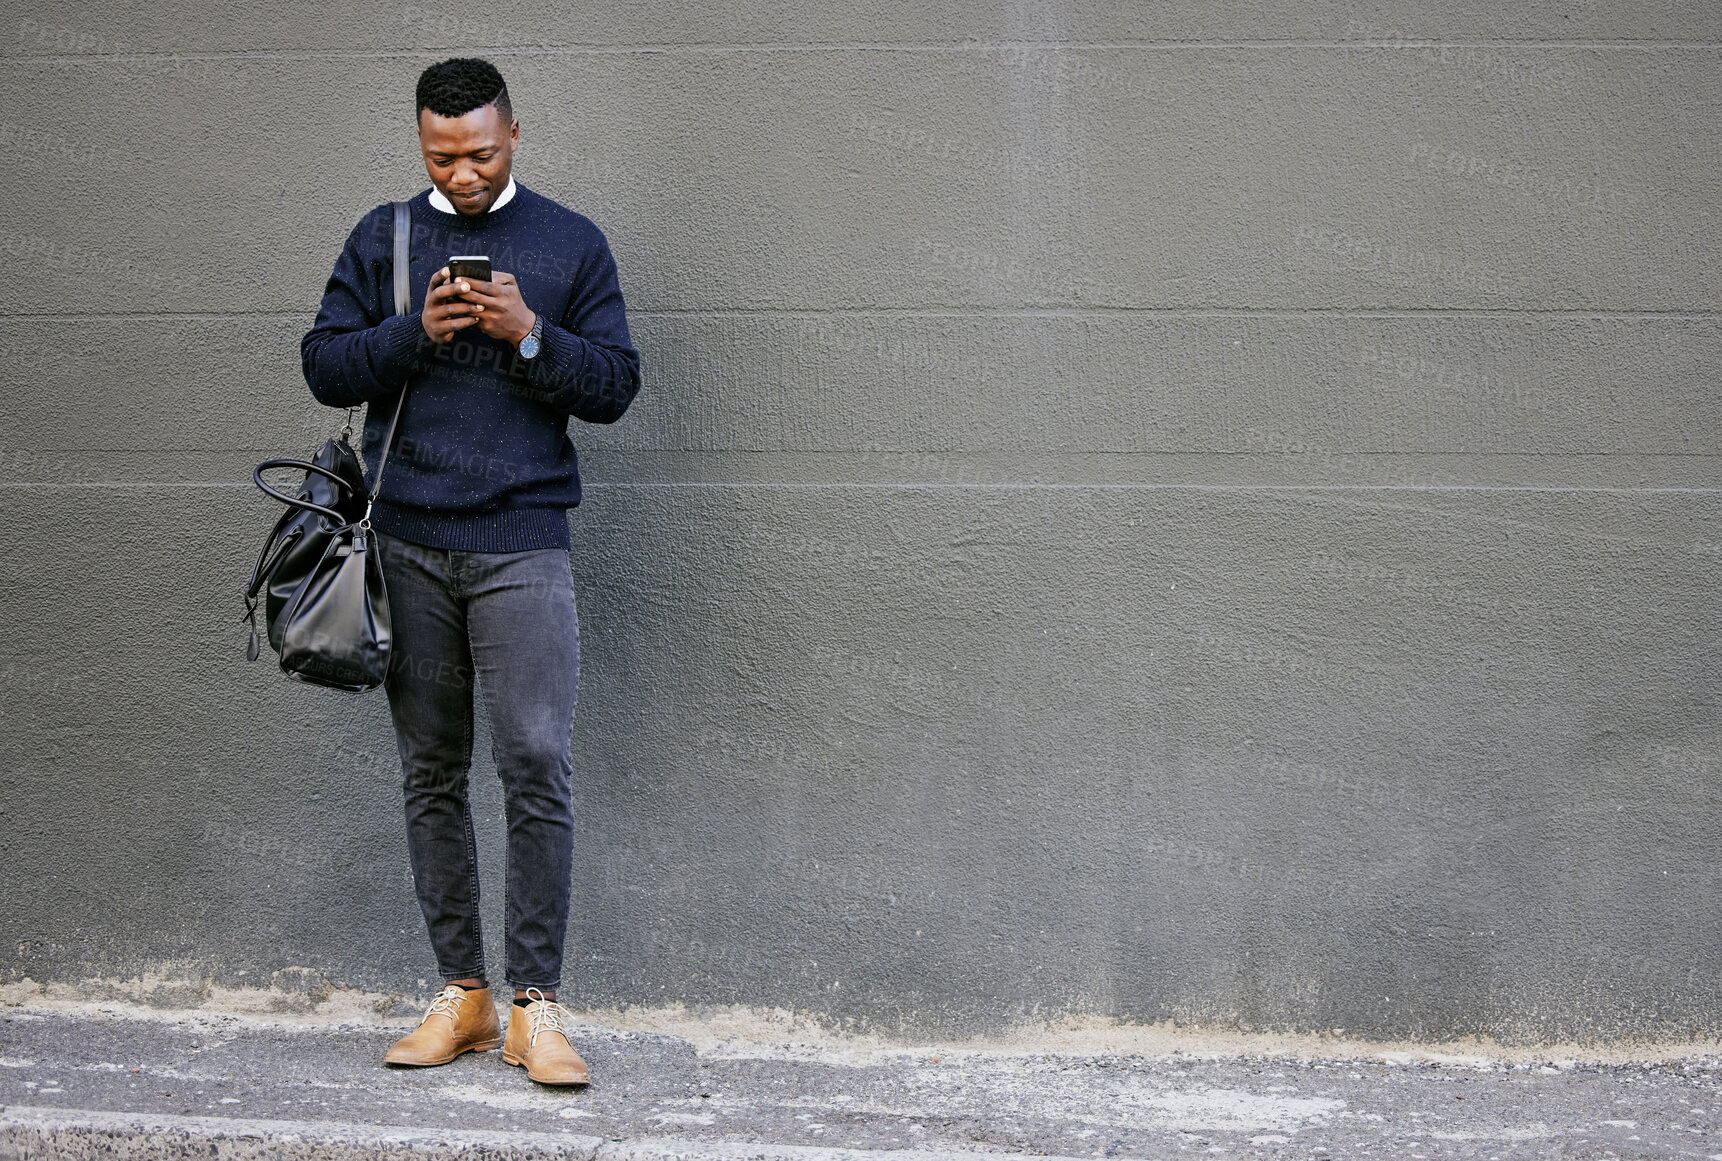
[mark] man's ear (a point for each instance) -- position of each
(514, 131)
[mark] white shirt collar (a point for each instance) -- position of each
(438, 201)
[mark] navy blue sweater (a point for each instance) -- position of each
(482, 461)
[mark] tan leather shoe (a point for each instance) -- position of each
(458, 1021)
(538, 1040)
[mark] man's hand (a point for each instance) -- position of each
(501, 312)
(445, 311)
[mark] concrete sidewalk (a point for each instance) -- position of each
(124, 1081)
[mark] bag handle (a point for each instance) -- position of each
(299, 501)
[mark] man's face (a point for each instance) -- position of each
(469, 158)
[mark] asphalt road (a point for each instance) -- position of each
(647, 1088)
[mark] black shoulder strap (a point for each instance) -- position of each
(403, 259)
(403, 305)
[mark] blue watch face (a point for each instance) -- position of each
(528, 346)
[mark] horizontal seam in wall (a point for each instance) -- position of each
(786, 453)
(1191, 312)
(865, 46)
(1021, 487)
(1000, 312)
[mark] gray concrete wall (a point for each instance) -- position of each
(1184, 510)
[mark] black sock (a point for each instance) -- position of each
(469, 987)
(522, 1001)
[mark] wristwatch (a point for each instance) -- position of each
(534, 338)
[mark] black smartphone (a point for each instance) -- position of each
(473, 266)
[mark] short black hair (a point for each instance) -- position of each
(457, 86)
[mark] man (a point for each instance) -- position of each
(473, 532)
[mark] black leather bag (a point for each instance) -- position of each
(319, 574)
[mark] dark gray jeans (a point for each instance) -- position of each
(506, 621)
